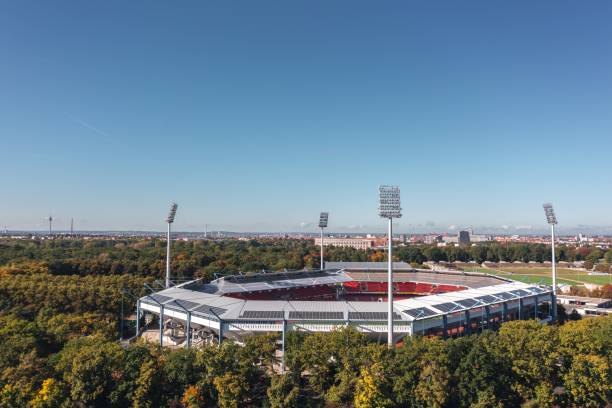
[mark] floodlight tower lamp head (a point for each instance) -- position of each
(323, 219)
(551, 218)
(172, 213)
(389, 202)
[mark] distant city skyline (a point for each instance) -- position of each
(256, 116)
(311, 228)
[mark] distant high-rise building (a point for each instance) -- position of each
(433, 239)
(463, 237)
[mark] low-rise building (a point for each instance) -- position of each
(586, 306)
(357, 243)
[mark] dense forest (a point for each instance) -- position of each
(205, 258)
(74, 362)
(60, 302)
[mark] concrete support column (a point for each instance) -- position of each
(553, 306)
(161, 325)
(445, 326)
(188, 330)
(137, 317)
(283, 345)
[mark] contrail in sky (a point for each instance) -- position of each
(88, 126)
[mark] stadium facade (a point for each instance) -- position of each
(426, 302)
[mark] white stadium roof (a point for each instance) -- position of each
(210, 300)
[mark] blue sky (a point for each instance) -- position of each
(256, 115)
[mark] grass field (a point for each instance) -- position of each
(543, 275)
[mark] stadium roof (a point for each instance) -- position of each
(209, 300)
(364, 266)
(270, 281)
(451, 302)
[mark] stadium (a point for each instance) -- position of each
(425, 302)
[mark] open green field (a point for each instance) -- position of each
(543, 275)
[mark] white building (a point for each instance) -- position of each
(586, 306)
(357, 243)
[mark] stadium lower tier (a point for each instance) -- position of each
(353, 291)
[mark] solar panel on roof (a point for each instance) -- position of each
(468, 302)
(187, 304)
(448, 307)
(160, 298)
(420, 312)
(263, 314)
(505, 295)
(486, 299)
(316, 315)
(537, 289)
(372, 316)
(209, 310)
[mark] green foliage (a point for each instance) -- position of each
(525, 363)
(140, 257)
(91, 368)
(29, 291)
(371, 388)
(482, 368)
(231, 390)
(588, 381)
(283, 392)
(435, 376)
(532, 350)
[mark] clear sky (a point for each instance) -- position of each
(256, 115)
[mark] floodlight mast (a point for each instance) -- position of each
(551, 219)
(169, 221)
(389, 207)
(323, 219)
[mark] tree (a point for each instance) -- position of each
(531, 348)
(405, 370)
(231, 390)
(432, 388)
(435, 254)
(283, 392)
(91, 370)
(484, 368)
(479, 253)
(588, 381)
(179, 371)
(486, 399)
(370, 389)
(148, 387)
(19, 337)
(51, 394)
(594, 256)
(262, 349)
(12, 396)
(192, 397)
(135, 357)
(586, 336)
